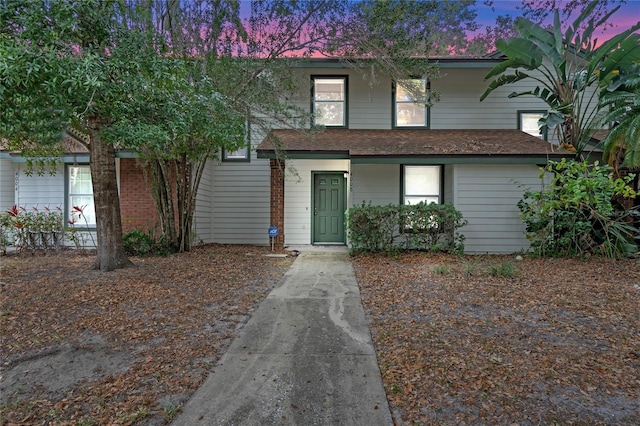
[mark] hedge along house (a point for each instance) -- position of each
(378, 146)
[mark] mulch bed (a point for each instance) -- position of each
(494, 340)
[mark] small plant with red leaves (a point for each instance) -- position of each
(75, 235)
(33, 229)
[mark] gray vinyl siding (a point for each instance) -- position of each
(297, 190)
(369, 106)
(7, 184)
(202, 219)
(375, 183)
(460, 107)
(448, 184)
(487, 196)
(39, 191)
(240, 210)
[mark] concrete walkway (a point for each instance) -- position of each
(304, 358)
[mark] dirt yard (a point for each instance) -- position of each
(460, 340)
(493, 340)
(125, 347)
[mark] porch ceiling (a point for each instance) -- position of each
(360, 145)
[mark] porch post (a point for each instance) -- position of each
(277, 200)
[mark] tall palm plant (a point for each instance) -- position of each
(568, 68)
(621, 97)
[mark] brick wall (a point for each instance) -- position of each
(277, 200)
(137, 207)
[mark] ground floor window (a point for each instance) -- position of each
(421, 184)
(80, 209)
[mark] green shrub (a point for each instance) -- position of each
(505, 269)
(442, 269)
(575, 215)
(429, 227)
(140, 243)
(31, 229)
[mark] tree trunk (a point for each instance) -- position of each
(182, 176)
(162, 192)
(183, 187)
(189, 177)
(111, 253)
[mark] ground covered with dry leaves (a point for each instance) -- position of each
(84, 347)
(494, 340)
(460, 340)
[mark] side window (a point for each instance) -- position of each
(409, 99)
(421, 184)
(329, 101)
(528, 123)
(242, 154)
(81, 211)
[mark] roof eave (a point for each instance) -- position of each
(535, 158)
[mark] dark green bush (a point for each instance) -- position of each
(140, 243)
(390, 228)
(575, 215)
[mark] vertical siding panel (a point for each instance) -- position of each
(487, 196)
(369, 106)
(448, 184)
(38, 190)
(375, 183)
(202, 219)
(240, 191)
(460, 107)
(7, 185)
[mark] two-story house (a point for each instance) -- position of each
(380, 146)
(377, 146)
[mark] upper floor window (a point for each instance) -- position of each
(80, 208)
(243, 153)
(329, 101)
(409, 103)
(528, 123)
(421, 184)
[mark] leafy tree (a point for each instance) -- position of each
(178, 119)
(574, 215)
(57, 70)
(621, 99)
(568, 68)
(537, 11)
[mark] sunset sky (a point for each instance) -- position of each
(628, 14)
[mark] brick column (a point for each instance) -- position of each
(277, 201)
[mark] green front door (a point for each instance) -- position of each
(328, 208)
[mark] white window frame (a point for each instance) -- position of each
(525, 123)
(242, 154)
(406, 98)
(435, 171)
(316, 103)
(75, 218)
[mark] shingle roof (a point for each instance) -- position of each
(72, 143)
(407, 143)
